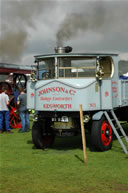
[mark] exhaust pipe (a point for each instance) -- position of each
(61, 50)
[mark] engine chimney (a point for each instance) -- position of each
(61, 50)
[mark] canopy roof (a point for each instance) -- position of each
(39, 57)
(6, 68)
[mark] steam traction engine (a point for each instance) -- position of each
(12, 77)
(65, 80)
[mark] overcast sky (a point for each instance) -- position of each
(32, 27)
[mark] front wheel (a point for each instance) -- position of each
(101, 134)
(42, 136)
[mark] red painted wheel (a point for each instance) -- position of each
(101, 134)
(106, 133)
(14, 115)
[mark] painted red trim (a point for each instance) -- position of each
(12, 70)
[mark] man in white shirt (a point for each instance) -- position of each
(4, 111)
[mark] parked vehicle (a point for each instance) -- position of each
(12, 77)
(65, 80)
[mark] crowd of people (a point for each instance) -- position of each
(21, 100)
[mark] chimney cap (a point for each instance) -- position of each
(61, 50)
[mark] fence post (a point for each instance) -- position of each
(83, 135)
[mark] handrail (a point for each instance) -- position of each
(88, 67)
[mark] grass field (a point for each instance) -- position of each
(24, 169)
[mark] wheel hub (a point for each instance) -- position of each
(107, 132)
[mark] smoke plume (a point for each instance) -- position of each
(77, 22)
(17, 17)
(106, 18)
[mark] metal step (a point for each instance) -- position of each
(115, 129)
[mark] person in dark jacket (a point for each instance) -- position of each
(24, 115)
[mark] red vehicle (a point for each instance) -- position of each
(12, 77)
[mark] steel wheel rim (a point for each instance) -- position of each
(106, 133)
(14, 118)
